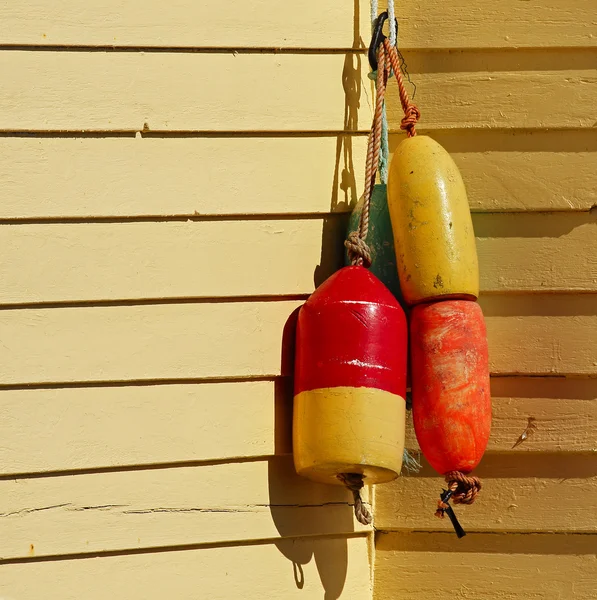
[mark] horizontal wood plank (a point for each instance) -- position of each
(422, 566)
(77, 91)
(258, 24)
(520, 494)
(89, 428)
(139, 342)
(93, 428)
(336, 566)
(423, 24)
(240, 339)
(59, 177)
(207, 259)
(208, 504)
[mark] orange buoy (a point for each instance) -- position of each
(350, 381)
(433, 233)
(450, 384)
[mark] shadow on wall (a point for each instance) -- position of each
(332, 249)
(300, 507)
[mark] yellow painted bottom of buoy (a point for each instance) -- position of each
(348, 430)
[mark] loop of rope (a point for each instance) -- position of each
(354, 482)
(411, 112)
(358, 250)
(463, 490)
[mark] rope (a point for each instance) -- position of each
(392, 24)
(463, 490)
(411, 112)
(354, 482)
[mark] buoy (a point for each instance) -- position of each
(350, 381)
(451, 393)
(433, 232)
(380, 239)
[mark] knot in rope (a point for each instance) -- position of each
(358, 250)
(354, 482)
(411, 117)
(464, 488)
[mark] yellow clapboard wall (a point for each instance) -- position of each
(176, 180)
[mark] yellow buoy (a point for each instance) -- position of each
(433, 231)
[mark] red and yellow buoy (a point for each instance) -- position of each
(350, 381)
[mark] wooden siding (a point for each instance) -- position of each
(175, 183)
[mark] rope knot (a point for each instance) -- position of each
(411, 117)
(463, 487)
(358, 250)
(354, 482)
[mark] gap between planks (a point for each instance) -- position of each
(176, 548)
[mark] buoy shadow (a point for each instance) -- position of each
(312, 520)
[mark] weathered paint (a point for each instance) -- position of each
(380, 240)
(433, 231)
(350, 380)
(450, 383)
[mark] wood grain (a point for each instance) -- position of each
(74, 91)
(242, 339)
(264, 571)
(532, 492)
(59, 177)
(94, 428)
(207, 259)
(424, 24)
(422, 566)
(209, 504)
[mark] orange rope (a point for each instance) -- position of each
(358, 250)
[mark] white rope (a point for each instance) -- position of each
(374, 9)
(384, 153)
(392, 20)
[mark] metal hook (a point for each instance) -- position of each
(378, 38)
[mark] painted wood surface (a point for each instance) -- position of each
(87, 428)
(58, 177)
(105, 91)
(244, 339)
(157, 383)
(521, 493)
(228, 503)
(425, 24)
(204, 504)
(95, 428)
(488, 566)
(74, 262)
(333, 565)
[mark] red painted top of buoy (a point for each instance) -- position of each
(351, 332)
(450, 383)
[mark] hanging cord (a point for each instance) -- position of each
(354, 482)
(387, 61)
(358, 250)
(411, 112)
